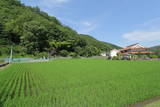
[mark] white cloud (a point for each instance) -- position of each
(86, 23)
(142, 36)
(87, 27)
(61, 1)
(147, 32)
(49, 4)
(55, 1)
(83, 27)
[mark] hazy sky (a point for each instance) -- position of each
(121, 22)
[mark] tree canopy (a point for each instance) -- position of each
(33, 31)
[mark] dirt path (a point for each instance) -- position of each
(4, 67)
(154, 104)
(146, 102)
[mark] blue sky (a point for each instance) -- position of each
(121, 22)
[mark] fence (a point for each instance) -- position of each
(23, 60)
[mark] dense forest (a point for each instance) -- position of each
(33, 32)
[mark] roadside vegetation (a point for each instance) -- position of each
(139, 56)
(1, 61)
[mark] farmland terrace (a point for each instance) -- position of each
(79, 83)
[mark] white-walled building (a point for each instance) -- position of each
(104, 54)
(114, 53)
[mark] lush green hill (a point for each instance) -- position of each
(34, 32)
(102, 45)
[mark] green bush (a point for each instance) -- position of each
(0, 53)
(115, 58)
(5, 50)
(64, 53)
(74, 55)
(154, 56)
(40, 55)
(135, 57)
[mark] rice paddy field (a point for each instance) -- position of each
(79, 83)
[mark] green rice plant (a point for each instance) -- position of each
(79, 83)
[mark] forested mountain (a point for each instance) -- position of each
(155, 48)
(32, 31)
(101, 45)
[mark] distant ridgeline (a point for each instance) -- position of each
(155, 49)
(33, 32)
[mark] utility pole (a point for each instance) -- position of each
(48, 55)
(11, 55)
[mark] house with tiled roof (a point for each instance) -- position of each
(135, 49)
